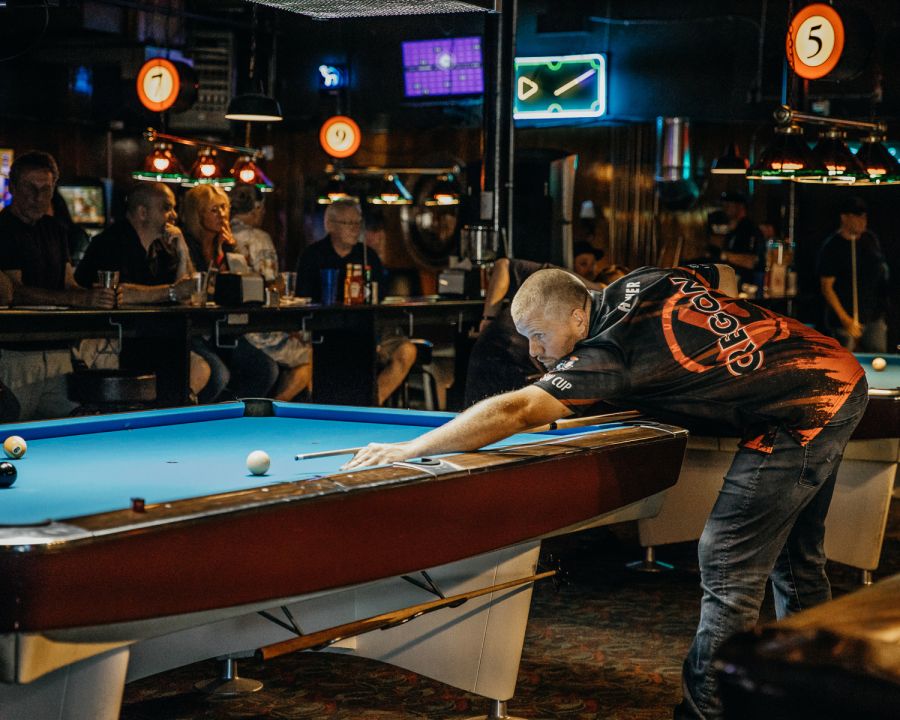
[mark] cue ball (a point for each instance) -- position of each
(14, 447)
(258, 462)
(7, 474)
(878, 363)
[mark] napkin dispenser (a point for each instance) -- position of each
(239, 289)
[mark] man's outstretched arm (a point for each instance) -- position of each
(482, 424)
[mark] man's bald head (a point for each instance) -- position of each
(552, 310)
(552, 292)
(149, 208)
(142, 194)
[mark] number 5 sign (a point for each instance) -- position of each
(815, 41)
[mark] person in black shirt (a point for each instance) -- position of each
(146, 248)
(744, 245)
(341, 245)
(154, 267)
(343, 223)
(668, 342)
(34, 256)
(853, 278)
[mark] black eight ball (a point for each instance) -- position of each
(7, 474)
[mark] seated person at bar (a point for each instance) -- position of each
(586, 260)
(499, 361)
(343, 222)
(671, 344)
(293, 355)
(154, 266)
(207, 231)
(34, 255)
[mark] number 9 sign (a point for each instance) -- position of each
(815, 41)
(340, 136)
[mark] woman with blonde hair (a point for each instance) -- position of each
(205, 217)
(205, 211)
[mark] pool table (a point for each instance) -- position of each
(854, 528)
(135, 543)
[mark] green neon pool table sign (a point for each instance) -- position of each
(561, 86)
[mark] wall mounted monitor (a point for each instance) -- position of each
(449, 66)
(86, 203)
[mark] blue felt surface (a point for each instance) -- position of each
(101, 470)
(886, 379)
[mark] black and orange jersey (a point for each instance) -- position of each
(666, 342)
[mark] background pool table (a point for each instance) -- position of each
(103, 589)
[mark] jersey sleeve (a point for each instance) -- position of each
(588, 376)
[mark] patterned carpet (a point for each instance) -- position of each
(607, 643)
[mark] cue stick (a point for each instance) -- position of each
(557, 425)
(329, 636)
(327, 453)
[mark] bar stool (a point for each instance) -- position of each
(100, 391)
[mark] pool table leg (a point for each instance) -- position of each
(88, 690)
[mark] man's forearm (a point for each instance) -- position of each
(28, 295)
(484, 423)
(834, 302)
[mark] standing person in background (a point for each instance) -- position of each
(207, 231)
(343, 223)
(853, 278)
(744, 246)
(34, 255)
(292, 353)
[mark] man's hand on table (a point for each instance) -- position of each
(102, 298)
(381, 454)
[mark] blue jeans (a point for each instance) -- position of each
(768, 521)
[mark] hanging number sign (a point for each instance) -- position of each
(815, 41)
(340, 136)
(158, 84)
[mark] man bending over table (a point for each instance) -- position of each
(672, 344)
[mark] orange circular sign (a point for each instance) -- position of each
(815, 41)
(158, 84)
(340, 136)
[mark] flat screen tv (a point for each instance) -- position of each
(85, 202)
(449, 66)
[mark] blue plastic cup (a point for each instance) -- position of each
(329, 286)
